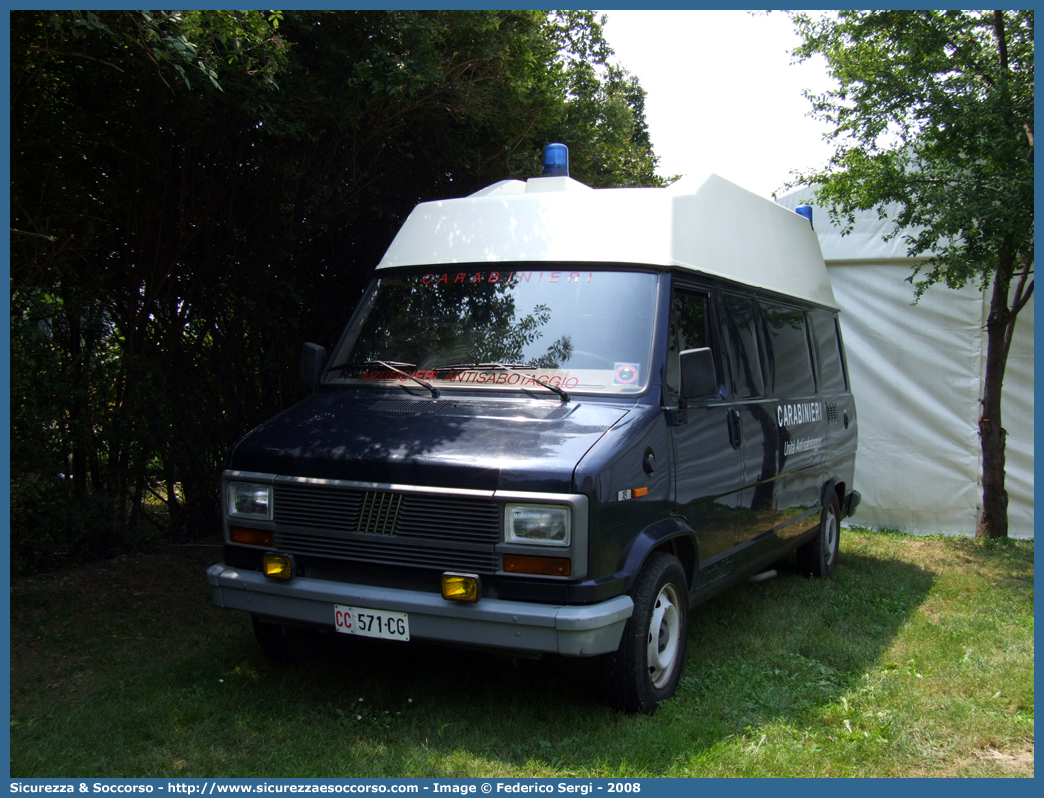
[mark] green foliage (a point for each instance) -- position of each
(194, 194)
(933, 111)
(604, 121)
(203, 42)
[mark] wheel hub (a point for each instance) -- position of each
(664, 634)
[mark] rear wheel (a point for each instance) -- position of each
(285, 644)
(818, 557)
(645, 669)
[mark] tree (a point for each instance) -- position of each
(933, 115)
(194, 194)
(116, 121)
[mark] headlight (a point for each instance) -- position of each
(548, 525)
(249, 500)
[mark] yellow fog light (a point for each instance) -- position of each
(460, 587)
(278, 566)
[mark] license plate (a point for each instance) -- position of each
(372, 623)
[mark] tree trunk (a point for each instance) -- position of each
(993, 436)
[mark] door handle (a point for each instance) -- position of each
(735, 438)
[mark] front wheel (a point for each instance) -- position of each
(645, 669)
(818, 557)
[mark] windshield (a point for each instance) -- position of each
(585, 331)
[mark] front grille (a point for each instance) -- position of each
(378, 550)
(390, 527)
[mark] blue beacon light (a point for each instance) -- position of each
(556, 161)
(806, 211)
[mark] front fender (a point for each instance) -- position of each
(672, 535)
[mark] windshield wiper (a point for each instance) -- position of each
(391, 365)
(506, 367)
(463, 366)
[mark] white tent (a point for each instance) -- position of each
(917, 374)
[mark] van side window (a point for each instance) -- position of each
(828, 352)
(744, 355)
(788, 353)
(689, 330)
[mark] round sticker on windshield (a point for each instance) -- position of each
(626, 373)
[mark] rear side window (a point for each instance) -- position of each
(744, 355)
(828, 352)
(788, 355)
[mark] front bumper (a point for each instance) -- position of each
(578, 631)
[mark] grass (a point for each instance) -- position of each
(914, 659)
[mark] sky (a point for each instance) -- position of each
(722, 93)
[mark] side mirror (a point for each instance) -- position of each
(313, 357)
(698, 374)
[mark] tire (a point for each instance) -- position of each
(646, 668)
(818, 557)
(287, 645)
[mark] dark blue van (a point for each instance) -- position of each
(558, 420)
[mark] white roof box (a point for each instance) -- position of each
(712, 226)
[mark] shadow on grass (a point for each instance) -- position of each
(760, 652)
(769, 651)
(214, 706)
